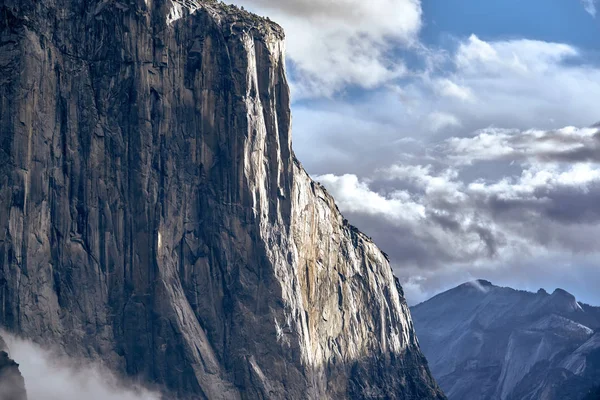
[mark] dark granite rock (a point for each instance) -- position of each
(593, 394)
(153, 215)
(12, 385)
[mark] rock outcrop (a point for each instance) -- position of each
(153, 215)
(494, 343)
(12, 384)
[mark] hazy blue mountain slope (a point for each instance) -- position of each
(488, 342)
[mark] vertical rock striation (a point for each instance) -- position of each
(153, 215)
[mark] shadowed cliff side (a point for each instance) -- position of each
(593, 394)
(153, 215)
(12, 385)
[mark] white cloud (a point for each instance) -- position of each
(540, 178)
(513, 85)
(50, 376)
(590, 6)
(502, 58)
(476, 50)
(355, 196)
(518, 84)
(441, 120)
(446, 87)
(336, 43)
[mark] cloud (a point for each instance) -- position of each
(445, 87)
(441, 120)
(590, 7)
(568, 144)
(419, 218)
(340, 43)
(438, 218)
(511, 85)
(50, 376)
(501, 58)
(518, 84)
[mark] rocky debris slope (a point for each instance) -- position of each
(153, 215)
(12, 385)
(488, 342)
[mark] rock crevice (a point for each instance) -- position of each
(153, 215)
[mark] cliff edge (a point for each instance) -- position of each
(153, 215)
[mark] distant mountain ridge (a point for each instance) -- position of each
(485, 342)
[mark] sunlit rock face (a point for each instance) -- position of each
(12, 384)
(153, 215)
(496, 343)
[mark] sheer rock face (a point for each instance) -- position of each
(153, 215)
(12, 385)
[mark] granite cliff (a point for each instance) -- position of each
(495, 343)
(153, 215)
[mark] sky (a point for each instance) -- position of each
(461, 135)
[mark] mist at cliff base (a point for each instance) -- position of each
(49, 375)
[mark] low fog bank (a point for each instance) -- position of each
(49, 376)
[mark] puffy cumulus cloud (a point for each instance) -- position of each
(356, 197)
(339, 43)
(511, 84)
(436, 220)
(421, 220)
(50, 376)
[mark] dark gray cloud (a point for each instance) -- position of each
(432, 219)
(565, 204)
(567, 145)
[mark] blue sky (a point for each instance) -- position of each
(457, 133)
(563, 21)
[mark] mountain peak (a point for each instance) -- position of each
(479, 284)
(564, 301)
(561, 292)
(504, 329)
(484, 282)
